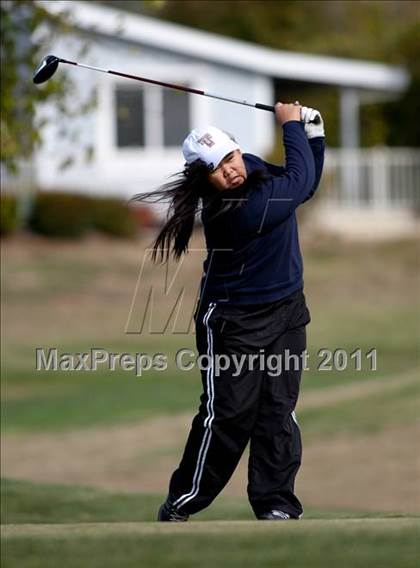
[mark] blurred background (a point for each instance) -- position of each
(96, 446)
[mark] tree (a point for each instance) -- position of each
(26, 29)
(403, 116)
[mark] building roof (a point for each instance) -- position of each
(231, 52)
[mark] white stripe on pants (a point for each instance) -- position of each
(207, 422)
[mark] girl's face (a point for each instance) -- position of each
(230, 173)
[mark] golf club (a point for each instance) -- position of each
(49, 65)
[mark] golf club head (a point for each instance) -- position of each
(46, 69)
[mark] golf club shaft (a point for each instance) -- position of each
(172, 86)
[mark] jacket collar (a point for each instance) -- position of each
(252, 163)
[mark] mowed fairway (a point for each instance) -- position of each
(86, 455)
(345, 543)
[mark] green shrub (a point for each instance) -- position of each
(113, 217)
(59, 214)
(8, 214)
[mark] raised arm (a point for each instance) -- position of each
(279, 196)
(316, 137)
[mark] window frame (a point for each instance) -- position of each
(106, 135)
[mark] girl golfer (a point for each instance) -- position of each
(251, 303)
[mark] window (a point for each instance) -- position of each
(150, 117)
(130, 117)
(176, 111)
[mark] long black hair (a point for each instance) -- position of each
(189, 193)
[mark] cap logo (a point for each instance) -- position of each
(206, 140)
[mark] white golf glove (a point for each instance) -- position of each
(312, 130)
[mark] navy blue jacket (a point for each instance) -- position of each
(253, 250)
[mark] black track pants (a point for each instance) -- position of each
(253, 404)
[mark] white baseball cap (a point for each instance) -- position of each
(209, 144)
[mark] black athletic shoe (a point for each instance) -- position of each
(168, 513)
(275, 515)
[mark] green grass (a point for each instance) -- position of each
(367, 414)
(49, 525)
(355, 300)
(346, 543)
(76, 296)
(393, 332)
(51, 401)
(62, 401)
(98, 399)
(27, 502)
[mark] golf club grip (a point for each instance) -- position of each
(265, 107)
(316, 120)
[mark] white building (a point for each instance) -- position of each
(136, 129)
